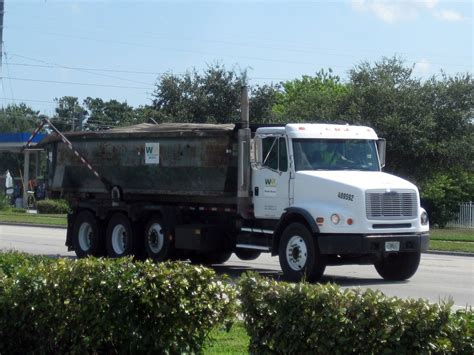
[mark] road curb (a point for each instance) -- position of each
(455, 253)
(32, 225)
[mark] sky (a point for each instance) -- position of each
(119, 49)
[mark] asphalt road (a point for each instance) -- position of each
(439, 277)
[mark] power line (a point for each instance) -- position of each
(302, 47)
(26, 100)
(84, 70)
(91, 69)
(82, 84)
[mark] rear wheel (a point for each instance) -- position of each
(247, 254)
(299, 254)
(158, 245)
(120, 238)
(398, 267)
(86, 238)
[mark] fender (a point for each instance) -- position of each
(292, 214)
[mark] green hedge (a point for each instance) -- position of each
(52, 206)
(94, 305)
(120, 306)
(323, 319)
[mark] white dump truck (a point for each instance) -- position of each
(312, 194)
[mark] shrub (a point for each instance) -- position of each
(12, 261)
(95, 305)
(52, 206)
(442, 194)
(3, 201)
(319, 319)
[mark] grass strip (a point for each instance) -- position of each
(459, 235)
(236, 341)
(444, 245)
(25, 218)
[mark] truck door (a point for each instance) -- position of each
(271, 177)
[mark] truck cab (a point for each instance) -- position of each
(325, 182)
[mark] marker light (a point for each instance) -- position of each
(350, 221)
(335, 218)
(320, 220)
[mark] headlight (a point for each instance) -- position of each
(424, 218)
(335, 218)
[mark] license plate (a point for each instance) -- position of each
(392, 246)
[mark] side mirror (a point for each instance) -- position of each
(382, 148)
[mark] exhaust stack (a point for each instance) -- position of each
(243, 167)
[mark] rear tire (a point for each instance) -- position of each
(120, 237)
(398, 267)
(299, 254)
(158, 246)
(247, 254)
(86, 238)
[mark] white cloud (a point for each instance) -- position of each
(430, 4)
(449, 15)
(75, 8)
(422, 68)
(393, 11)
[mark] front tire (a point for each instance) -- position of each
(398, 267)
(86, 238)
(299, 254)
(120, 237)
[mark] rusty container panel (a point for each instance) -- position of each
(180, 162)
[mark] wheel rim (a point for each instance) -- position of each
(119, 239)
(296, 253)
(85, 236)
(155, 238)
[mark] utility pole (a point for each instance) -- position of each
(1, 36)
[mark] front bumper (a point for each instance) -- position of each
(336, 244)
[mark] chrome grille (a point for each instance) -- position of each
(391, 205)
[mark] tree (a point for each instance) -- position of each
(70, 114)
(428, 125)
(16, 119)
(108, 114)
(321, 98)
(212, 97)
(262, 100)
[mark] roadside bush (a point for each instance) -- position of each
(321, 319)
(113, 306)
(3, 202)
(52, 206)
(12, 261)
(442, 194)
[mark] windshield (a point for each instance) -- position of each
(335, 154)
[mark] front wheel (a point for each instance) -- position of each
(299, 254)
(398, 267)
